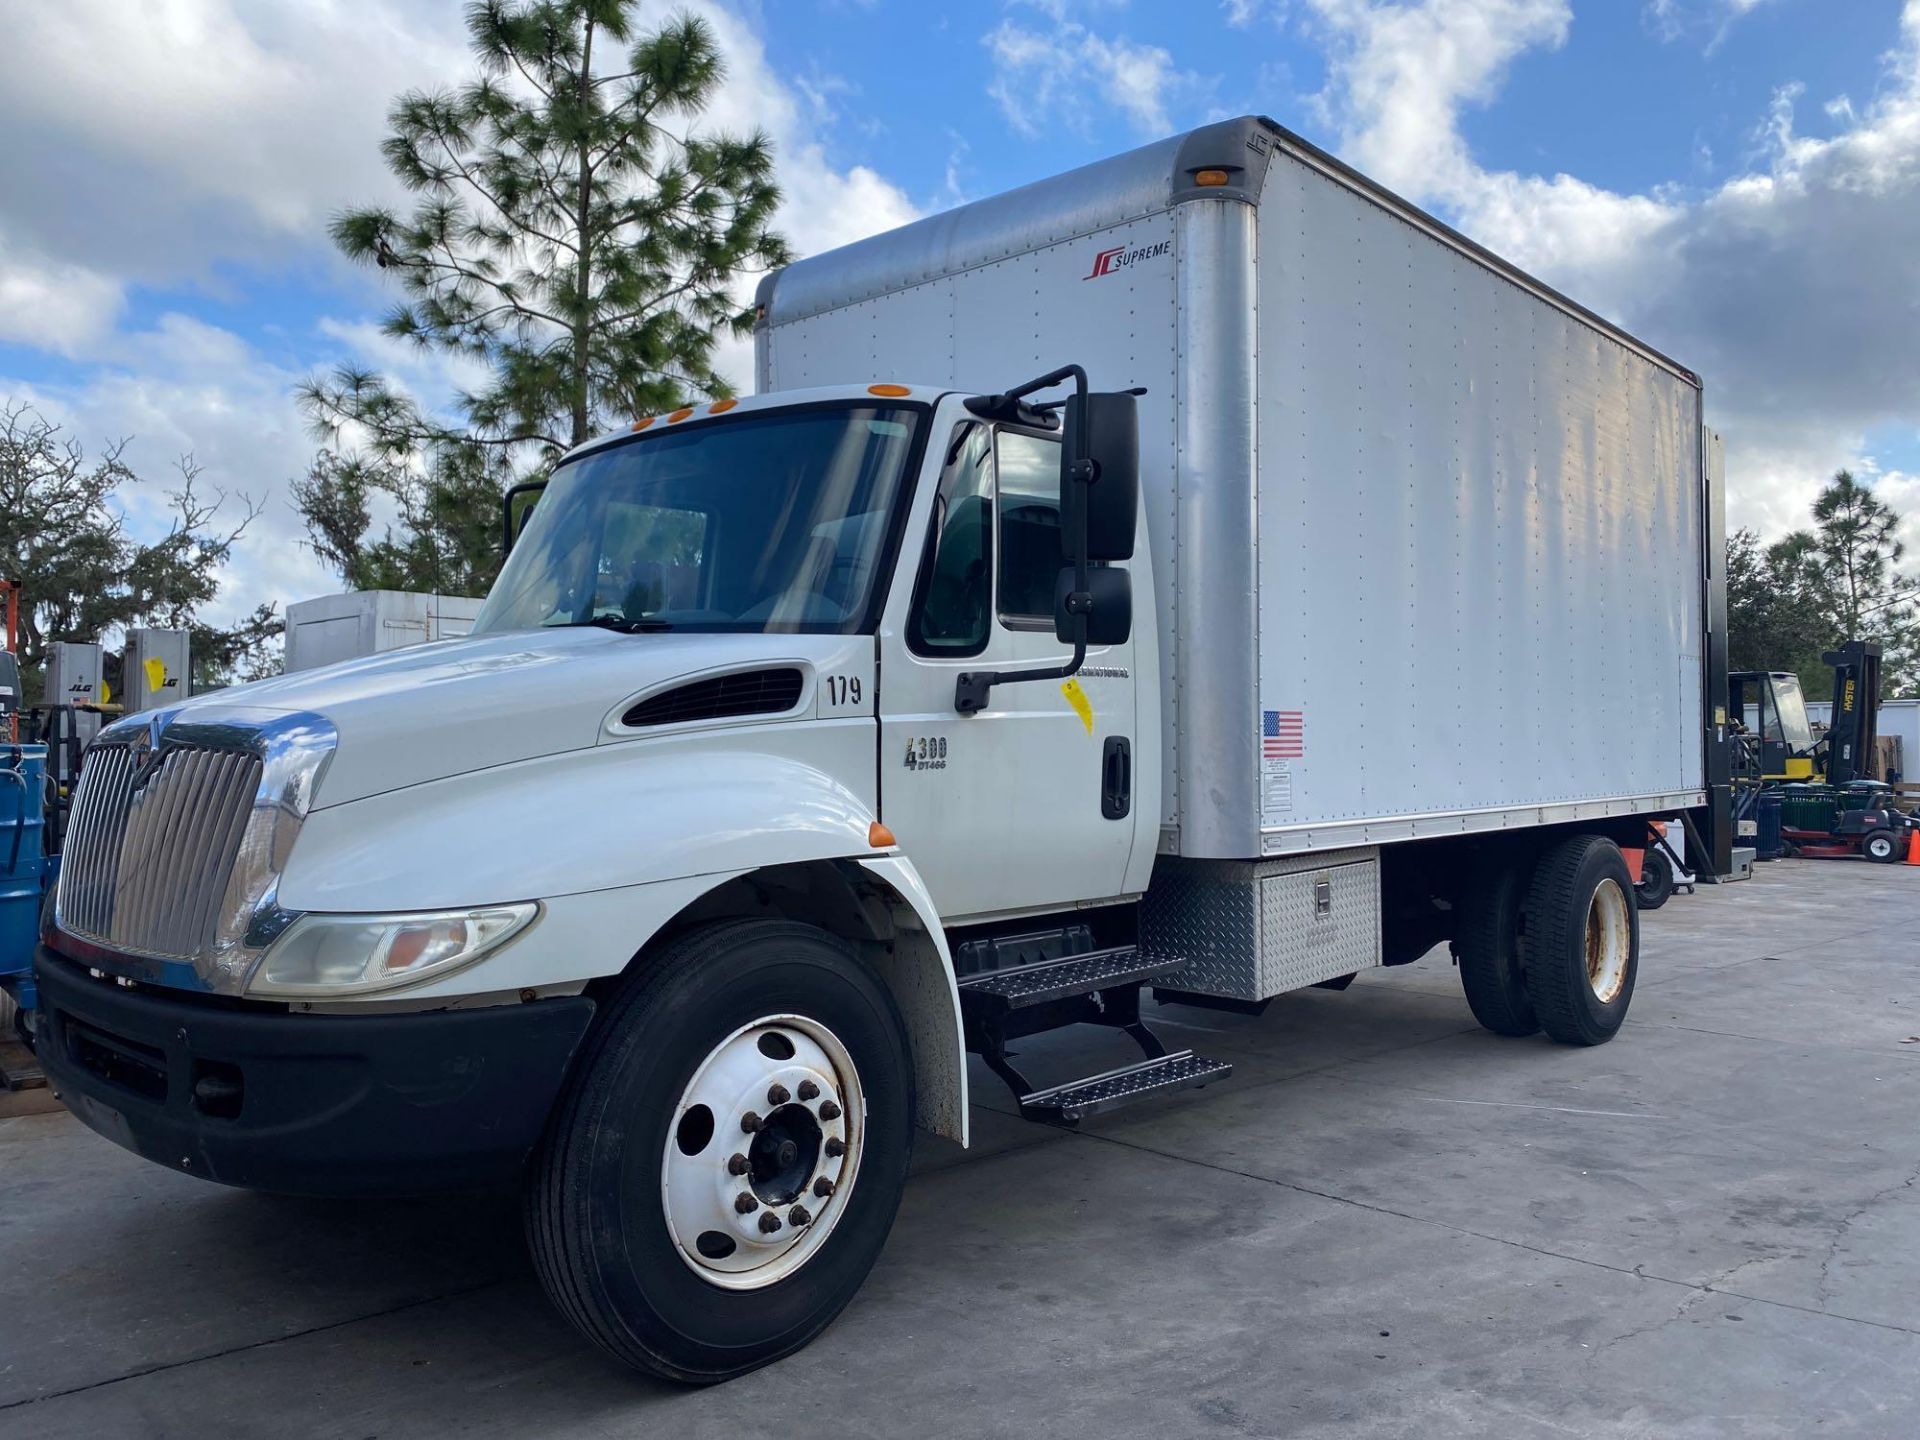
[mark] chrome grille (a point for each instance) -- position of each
(151, 845)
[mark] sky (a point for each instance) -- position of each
(1735, 181)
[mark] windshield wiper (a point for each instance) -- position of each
(623, 624)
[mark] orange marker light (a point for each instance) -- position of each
(879, 837)
(677, 416)
(1209, 177)
(891, 391)
(720, 407)
(642, 424)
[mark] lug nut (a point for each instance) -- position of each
(744, 1203)
(798, 1216)
(809, 1090)
(750, 1122)
(823, 1187)
(829, 1110)
(737, 1165)
(769, 1222)
(777, 1095)
(836, 1147)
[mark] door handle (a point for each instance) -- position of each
(1116, 778)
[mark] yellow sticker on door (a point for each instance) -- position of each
(156, 669)
(1077, 698)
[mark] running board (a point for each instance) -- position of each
(1024, 986)
(1095, 987)
(1073, 1102)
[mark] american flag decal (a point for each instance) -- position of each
(1283, 734)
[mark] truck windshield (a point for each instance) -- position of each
(768, 522)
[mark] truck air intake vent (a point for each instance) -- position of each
(748, 692)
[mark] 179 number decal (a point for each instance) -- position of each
(843, 689)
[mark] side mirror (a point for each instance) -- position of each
(1109, 614)
(1112, 500)
(516, 507)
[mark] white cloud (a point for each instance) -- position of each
(1043, 75)
(1788, 287)
(1673, 20)
(182, 144)
(54, 305)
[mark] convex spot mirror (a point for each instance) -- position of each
(1113, 500)
(1109, 621)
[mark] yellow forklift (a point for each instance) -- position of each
(1831, 802)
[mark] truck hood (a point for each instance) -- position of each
(432, 711)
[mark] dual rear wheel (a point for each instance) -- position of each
(1551, 943)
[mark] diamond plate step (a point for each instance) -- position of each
(1073, 1102)
(1044, 980)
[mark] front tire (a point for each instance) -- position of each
(1583, 940)
(1881, 847)
(657, 1224)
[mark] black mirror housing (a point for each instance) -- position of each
(1109, 616)
(1113, 500)
(515, 508)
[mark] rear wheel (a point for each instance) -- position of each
(730, 1155)
(1881, 847)
(1486, 943)
(1583, 940)
(1656, 879)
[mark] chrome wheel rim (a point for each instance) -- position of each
(1609, 940)
(763, 1152)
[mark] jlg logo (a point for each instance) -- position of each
(1109, 262)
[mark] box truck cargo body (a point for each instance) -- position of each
(332, 628)
(1193, 578)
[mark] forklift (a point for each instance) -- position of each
(1832, 805)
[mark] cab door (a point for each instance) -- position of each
(1027, 804)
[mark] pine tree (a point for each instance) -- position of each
(572, 232)
(1813, 590)
(1857, 535)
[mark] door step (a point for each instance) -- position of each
(1023, 986)
(1093, 987)
(1073, 1102)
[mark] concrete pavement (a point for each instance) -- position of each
(1387, 1223)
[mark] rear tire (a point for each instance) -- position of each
(1582, 941)
(1656, 879)
(1486, 944)
(634, 1203)
(1881, 847)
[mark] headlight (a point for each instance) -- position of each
(324, 955)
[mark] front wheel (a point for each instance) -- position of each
(1582, 940)
(730, 1155)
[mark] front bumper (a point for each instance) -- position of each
(306, 1104)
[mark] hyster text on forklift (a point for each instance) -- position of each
(1201, 573)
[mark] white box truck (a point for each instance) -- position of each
(943, 694)
(331, 628)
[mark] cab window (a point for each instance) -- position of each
(951, 612)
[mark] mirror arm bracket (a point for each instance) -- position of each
(971, 689)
